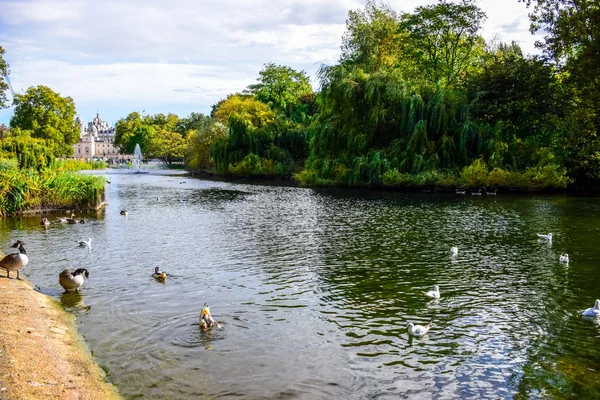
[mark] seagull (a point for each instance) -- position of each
(592, 312)
(564, 258)
(85, 243)
(454, 251)
(545, 237)
(435, 293)
(418, 330)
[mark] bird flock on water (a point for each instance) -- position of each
(72, 280)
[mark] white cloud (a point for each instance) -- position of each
(184, 54)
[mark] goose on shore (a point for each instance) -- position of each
(158, 274)
(592, 312)
(454, 251)
(15, 261)
(545, 237)
(564, 258)
(72, 279)
(418, 330)
(435, 293)
(206, 320)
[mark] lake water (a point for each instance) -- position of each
(314, 288)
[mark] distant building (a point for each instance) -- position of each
(97, 141)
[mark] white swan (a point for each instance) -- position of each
(435, 293)
(85, 243)
(454, 251)
(545, 237)
(564, 258)
(592, 312)
(418, 330)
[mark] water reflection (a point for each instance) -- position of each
(315, 288)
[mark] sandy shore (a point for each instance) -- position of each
(42, 356)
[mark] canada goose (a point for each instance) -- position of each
(72, 280)
(85, 243)
(15, 261)
(45, 221)
(206, 320)
(158, 274)
(461, 191)
(545, 237)
(490, 193)
(418, 330)
(592, 312)
(454, 251)
(74, 221)
(477, 193)
(435, 293)
(564, 258)
(124, 212)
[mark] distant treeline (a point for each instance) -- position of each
(417, 100)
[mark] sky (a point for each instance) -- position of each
(181, 56)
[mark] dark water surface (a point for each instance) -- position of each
(314, 289)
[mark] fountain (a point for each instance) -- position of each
(136, 163)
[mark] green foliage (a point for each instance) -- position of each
(47, 115)
(281, 87)
(24, 189)
(201, 143)
(255, 113)
(4, 71)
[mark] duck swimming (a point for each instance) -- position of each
(435, 293)
(124, 212)
(418, 330)
(545, 237)
(45, 221)
(158, 274)
(206, 320)
(454, 251)
(592, 312)
(85, 243)
(72, 280)
(564, 258)
(15, 261)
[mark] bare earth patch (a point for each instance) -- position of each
(42, 356)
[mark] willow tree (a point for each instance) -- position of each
(4, 71)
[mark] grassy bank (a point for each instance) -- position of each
(56, 187)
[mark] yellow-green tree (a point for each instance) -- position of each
(255, 113)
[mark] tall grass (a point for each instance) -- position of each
(52, 188)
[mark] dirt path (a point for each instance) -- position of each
(42, 356)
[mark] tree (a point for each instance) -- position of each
(373, 40)
(200, 144)
(48, 116)
(3, 79)
(125, 128)
(280, 87)
(444, 39)
(257, 114)
(195, 122)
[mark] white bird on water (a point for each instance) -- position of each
(545, 237)
(85, 243)
(454, 251)
(592, 312)
(435, 293)
(418, 330)
(564, 258)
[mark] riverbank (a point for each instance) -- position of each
(42, 356)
